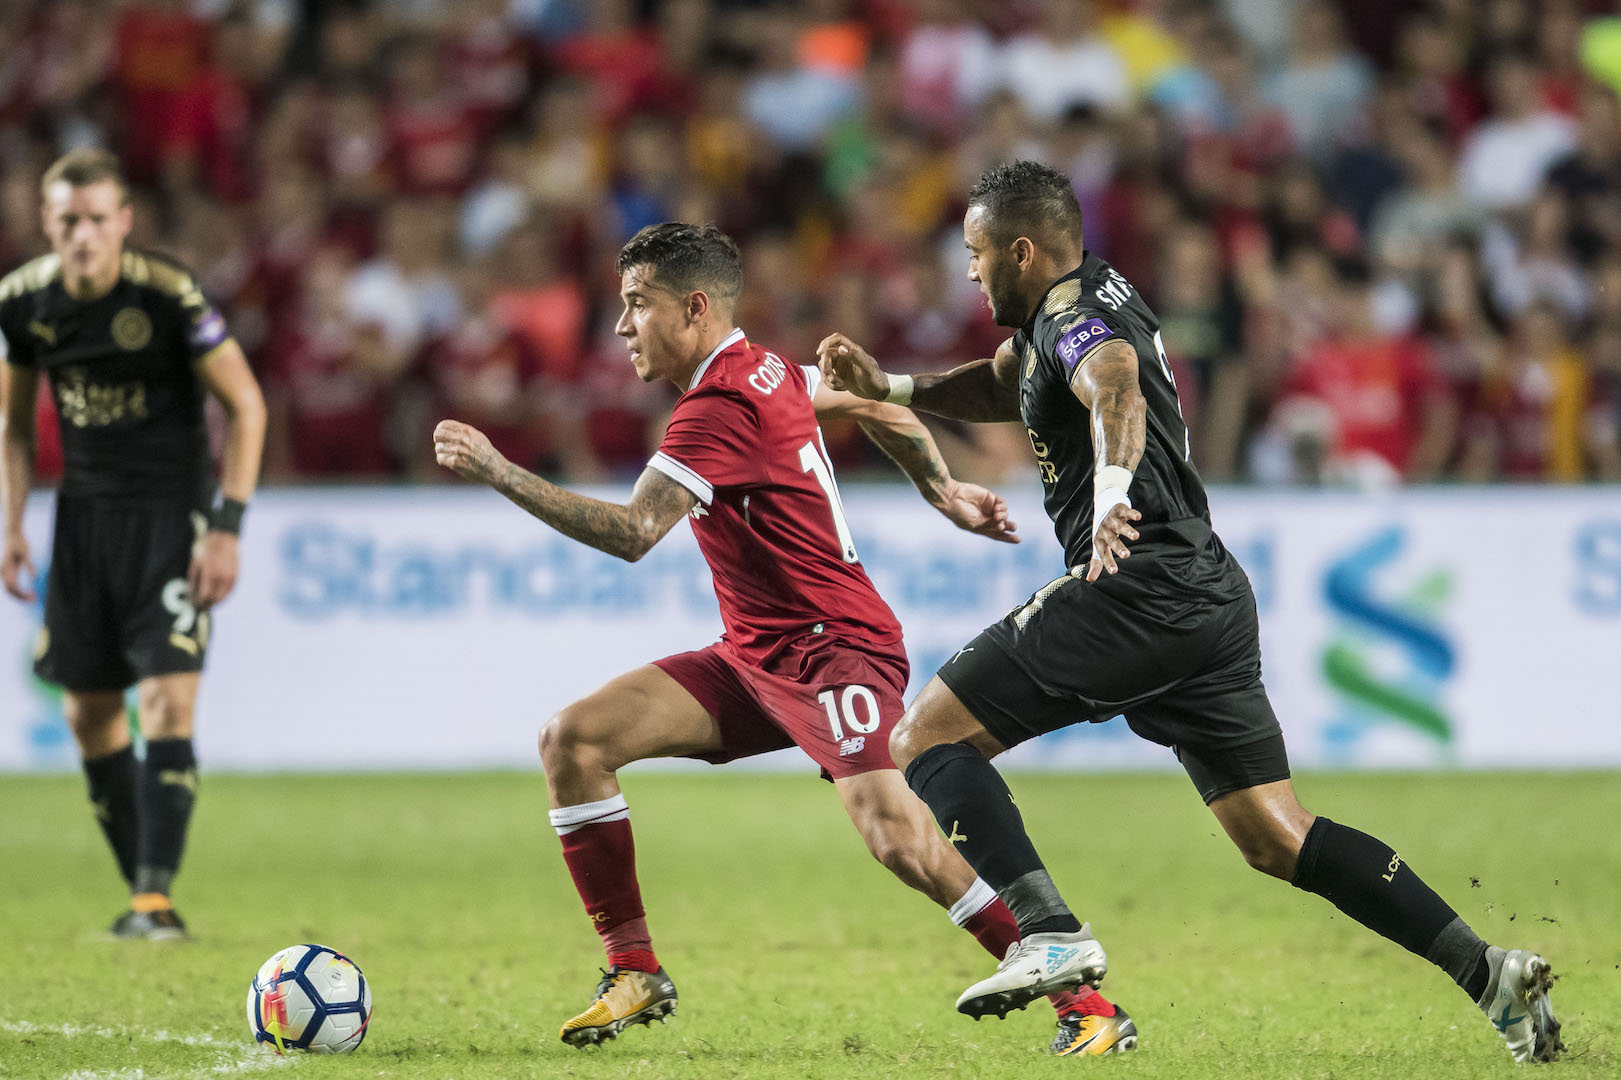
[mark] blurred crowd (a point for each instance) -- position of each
(1383, 236)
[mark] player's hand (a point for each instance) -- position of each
(466, 450)
(212, 575)
(847, 366)
(1109, 541)
(979, 510)
(12, 566)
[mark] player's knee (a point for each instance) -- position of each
(94, 720)
(166, 714)
(1270, 853)
(907, 741)
(571, 738)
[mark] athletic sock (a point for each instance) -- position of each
(601, 857)
(1368, 881)
(112, 781)
(982, 913)
(975, 810)
(168, 791)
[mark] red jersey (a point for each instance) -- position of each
(744, 439)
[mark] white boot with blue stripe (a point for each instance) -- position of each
(1034, 967)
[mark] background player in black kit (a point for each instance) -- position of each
(1155, 621)
(132, 349)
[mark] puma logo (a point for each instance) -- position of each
(43, 332)
(956, 837)
(186, 778)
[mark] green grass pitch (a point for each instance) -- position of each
(795, 954)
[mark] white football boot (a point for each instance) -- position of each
(1034, 967)
(1516, 1002)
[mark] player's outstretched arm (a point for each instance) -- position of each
(981, 392)
(900, 434)
(625, 531)
(1106, 383)
(225, 372)
(18, 386)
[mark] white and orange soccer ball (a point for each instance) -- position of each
(309, 997)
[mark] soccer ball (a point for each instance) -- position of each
(309, 997)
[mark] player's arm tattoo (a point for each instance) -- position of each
(1106, 383)
(980, 392)
(897, 432)
(625, 531)
(901, 435)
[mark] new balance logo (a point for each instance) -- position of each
(956, 837)
(1057, 954)
(852, 745)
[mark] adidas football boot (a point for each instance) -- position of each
(1035, 966)
(624, 997)
(1516, 1002)
(1094, 1036)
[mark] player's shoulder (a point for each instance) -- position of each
(30, 278)
(163, 274)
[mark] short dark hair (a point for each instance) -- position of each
(687, 258)
(1027, 198)
(83, 167)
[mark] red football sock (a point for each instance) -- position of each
(994, 927)
(601, 857)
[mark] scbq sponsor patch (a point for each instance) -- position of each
(1080, 339)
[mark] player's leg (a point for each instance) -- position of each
(901, 835)
(643, 713)
(945, 750)
(167, 790)
(146, 551)
(101, 728)
(1366, 879)
(78, 650)
(1228, 740)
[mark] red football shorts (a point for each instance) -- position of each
(833, 700)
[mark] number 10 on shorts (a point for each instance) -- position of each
(843, 711)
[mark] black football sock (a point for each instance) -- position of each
(1368, 881)
(112, 793)
(972, 803)
(168, 791)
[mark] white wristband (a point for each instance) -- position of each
(1109, 486)
(900, 390)
(1112, 476)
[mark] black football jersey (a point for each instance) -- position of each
(1083, 310)
(122, 370)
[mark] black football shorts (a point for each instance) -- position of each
(117, 608)
(1185, 673)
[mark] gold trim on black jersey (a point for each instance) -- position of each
(139, 268)
(1061, 297)
(31, 276)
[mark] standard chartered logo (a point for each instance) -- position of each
(1390, 659)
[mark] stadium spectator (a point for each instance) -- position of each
(1324, 86)
(1064, 62)
(1227, 157)
(1506, 156)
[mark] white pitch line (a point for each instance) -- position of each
(236, 1057)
